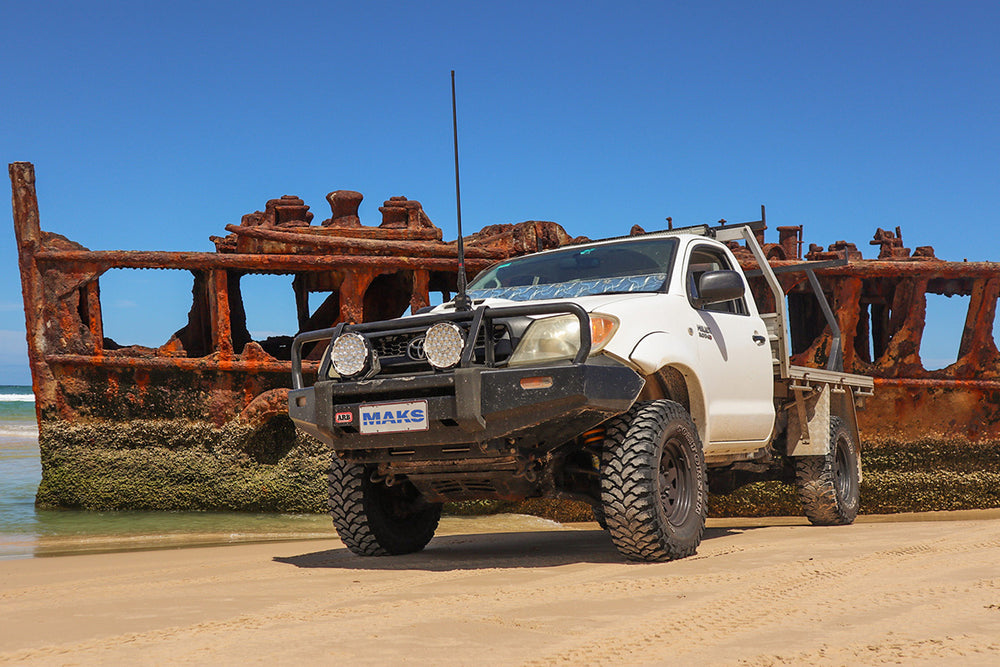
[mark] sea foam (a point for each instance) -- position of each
(17, 398)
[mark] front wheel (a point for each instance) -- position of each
(373, 519)
(829, 486)
(653, 482)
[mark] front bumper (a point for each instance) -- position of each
(472, 405)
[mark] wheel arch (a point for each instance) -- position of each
(679, 383)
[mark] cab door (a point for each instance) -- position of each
(734, 357)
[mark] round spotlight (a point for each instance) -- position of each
(443, 345)
(349, 354)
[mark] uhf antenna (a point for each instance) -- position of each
(462, 301)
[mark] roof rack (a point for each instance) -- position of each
(723, 231)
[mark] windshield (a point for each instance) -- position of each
(614, 268)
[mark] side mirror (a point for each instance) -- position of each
(718, 286)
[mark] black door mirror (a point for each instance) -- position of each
(718, 286)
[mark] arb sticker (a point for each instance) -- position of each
(343, 418)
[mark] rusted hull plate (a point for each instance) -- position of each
(921, 410)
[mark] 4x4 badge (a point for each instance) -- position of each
(415, 350)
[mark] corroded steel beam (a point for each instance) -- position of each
(102, 260)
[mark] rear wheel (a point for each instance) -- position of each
(829, 486)
(653, 482)
(373, 519)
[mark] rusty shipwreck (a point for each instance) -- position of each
(199, 422)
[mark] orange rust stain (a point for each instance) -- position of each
(142, 381)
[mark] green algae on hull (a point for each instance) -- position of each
(179, 464)
(923, 476)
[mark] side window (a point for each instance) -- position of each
(702, 260)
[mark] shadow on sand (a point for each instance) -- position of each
(487, 551)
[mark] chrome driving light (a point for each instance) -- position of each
(443, 345)
(349, 354)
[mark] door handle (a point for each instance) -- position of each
(760, 340)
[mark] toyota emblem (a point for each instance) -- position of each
(415, 350)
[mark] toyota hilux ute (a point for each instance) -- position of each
(624, 373)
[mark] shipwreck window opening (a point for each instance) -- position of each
(943, 326)
(437, 298)
(269, 312)
(325, 315)
(441, 286)
(83, 306)
(996, 324)
(142, 307)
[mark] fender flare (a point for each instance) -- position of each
(657, 351)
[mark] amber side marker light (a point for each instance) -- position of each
(539, 382)
(601, 329)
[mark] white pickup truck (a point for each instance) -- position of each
(624, 373)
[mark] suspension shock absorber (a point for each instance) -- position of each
(592, 441)
(593, 438)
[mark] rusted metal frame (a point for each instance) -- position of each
(993, 385)
(207, 363)
(28, 233)
(102, 260)
(373, 245)
(979, 319)
(881, 268)
(301, 290)
(218, 303)
(95, 321)
(420, 297)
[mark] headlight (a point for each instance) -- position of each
(349, 354)
(554, 338)
(443, 345)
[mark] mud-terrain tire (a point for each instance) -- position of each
(373, 519)
(829, 486)
(653, 482)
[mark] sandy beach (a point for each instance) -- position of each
(759, 592)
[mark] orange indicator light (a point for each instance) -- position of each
(540, 382)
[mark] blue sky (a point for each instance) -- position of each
(153, 125)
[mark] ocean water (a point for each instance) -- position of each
(26, 531)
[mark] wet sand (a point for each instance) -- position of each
(907, 590)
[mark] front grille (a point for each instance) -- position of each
(396, 351)
(392, 346)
